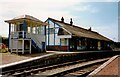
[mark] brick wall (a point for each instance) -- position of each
(62, 48)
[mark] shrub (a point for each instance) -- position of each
(4, 50)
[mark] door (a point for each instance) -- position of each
(43, 46)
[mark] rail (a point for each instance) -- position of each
(54, 59)
(18, 34)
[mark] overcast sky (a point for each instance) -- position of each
(102, 16)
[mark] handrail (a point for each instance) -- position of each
(16, 34)
(35, 40)
(24, 34)
(33, 37)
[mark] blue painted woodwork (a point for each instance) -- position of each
(35, 45)
(43, 46)
(54, 33)
(48, 32)
(9, 35)
(24, 28)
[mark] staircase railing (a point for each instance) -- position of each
(34, 39)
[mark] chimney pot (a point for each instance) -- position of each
(71, 22)
(90, 29)
(62, 19)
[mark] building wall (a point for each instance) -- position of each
(53, 41)
(57, 40)
(34, 32)
(58, 48)
(76, 43)
(52, 34)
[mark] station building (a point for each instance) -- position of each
(29, 34)
(26, 34)
(68, 37)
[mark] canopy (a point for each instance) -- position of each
(28, 19)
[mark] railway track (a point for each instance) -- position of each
(83, 72)
(58, 64)
(64, 69)
(30, 70)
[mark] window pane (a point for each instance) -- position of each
(51, 30)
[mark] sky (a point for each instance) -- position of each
(101, 16)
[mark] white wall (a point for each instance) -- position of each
(56, 30)
(51, 24)
(41, 37)
(51, 39)
(46, 39)
(51, 35)
(57, 25)
(57, 40)
(14, 44)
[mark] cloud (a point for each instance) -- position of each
(87, 8)
(110, 32)
(41, 9)
(112, 0)
(59, 1)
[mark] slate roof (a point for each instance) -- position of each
(80, 32)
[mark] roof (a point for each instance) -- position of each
(80, 32)
(28, 18)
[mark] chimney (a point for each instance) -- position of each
(71, 22)
(90, 29)
(62, 19)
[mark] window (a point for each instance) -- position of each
(79, 43)
(51, 30)
(65, 41)
(33, 30)
(29, 30)
(41, 30)
(56, 30)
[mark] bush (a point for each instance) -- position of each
(4, 50)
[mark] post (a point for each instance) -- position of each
(48, 33)
(9, 44)
(54, 34)
(30, 46)
(24, 28)
(23, 46)
(17, 47)
(60, 44)
(45, 37)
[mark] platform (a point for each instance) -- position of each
(110, 68)
(50, 58)
(7, 58)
